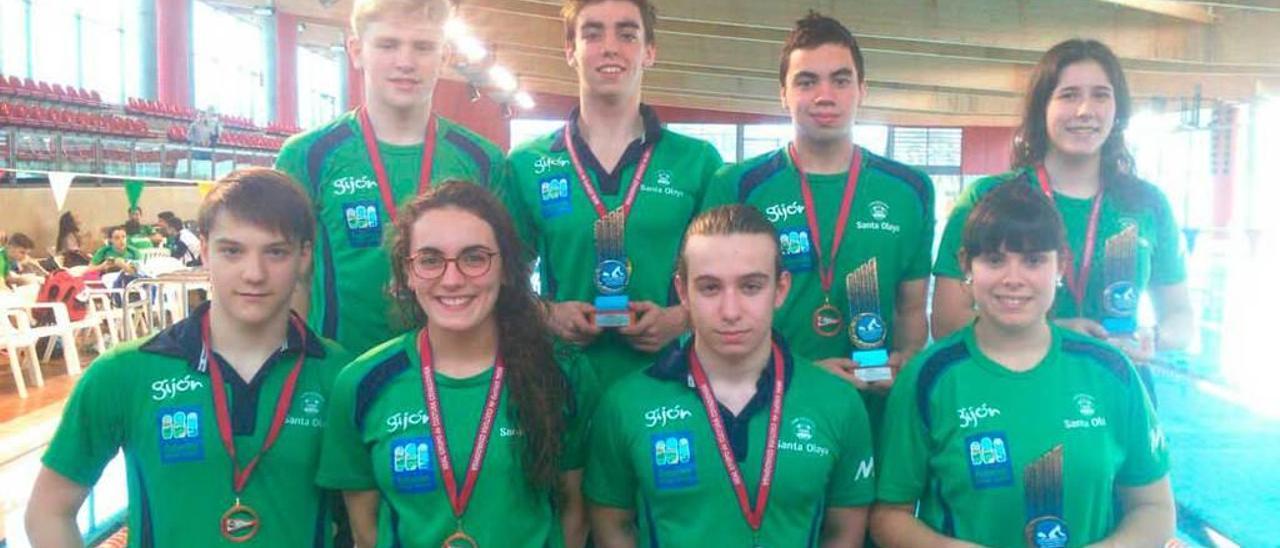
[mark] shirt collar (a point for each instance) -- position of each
(652, 129)
(672, 365)
(183, 340)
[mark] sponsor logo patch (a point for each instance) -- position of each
(989, 462)
(364, 227)
(673, 464)
(181, 437)
(554, 196)
(797, 249)
(413, 465)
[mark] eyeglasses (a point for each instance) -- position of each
(472, 263)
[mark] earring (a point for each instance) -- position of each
(968, 279)
(1060, 282)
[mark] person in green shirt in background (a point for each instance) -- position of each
(468, 428)
(115, 255)
(219, 416)
(15, 253)
(856, 229)
(730, 439)
(359, 167)
(1122, 235)
(613, 165)
(1014, 431)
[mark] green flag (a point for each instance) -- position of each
(133, 189)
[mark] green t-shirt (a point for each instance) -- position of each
(107, 252)
(966, 431)
(349, 299)
(1160, 256)
(5, 264)
(379, 438)
(152, 399)
(556, 219)
(652, 451)
(891, 221)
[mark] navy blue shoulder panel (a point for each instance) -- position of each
(476, 152)
(320, 150)
(374, 381)
(933, 368)
(1109, 358)
(917, 181)
(756, 176)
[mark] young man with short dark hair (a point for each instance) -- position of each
(220, 415)
(14, 254)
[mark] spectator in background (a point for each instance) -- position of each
(15, 254)
(117, 254)
(184, 245)
(205, 129)
(68, 244)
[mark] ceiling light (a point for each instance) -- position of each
(502, 78)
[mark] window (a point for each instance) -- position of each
(722, 136)
(319, 86)
(92, 44)
(229, 52)
(936, 150)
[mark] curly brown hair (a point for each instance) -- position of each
(539, 392)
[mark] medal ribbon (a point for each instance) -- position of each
(240, 476)
(1077, 282)
(458, 500)
(827, 272)
(590, 190)
(380, 169)
(754, 516)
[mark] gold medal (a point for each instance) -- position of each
(827, 320)
(239, 523)
(459, 539)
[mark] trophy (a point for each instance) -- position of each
(613, 273)
(1042, 484)
(867, 330)
(1120, 296)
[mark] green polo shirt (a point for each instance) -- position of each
(652, 451)
(379, 437)
(5, 264)
(107, 252)
(349, 301)
(891, 221)
(967, 431)
(152, 399)
(556, 219)
(1160, 257)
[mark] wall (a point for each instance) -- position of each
(30, 209)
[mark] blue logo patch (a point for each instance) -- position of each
(612, 276)
(869, 329)
(181, 438)
(673, 464)
(989, 462)
(413, 468)
(797, 249)
(1120, 298)
(554, 196)
(1048, 532)
(364, 227)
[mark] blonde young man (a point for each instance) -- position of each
(359, 167)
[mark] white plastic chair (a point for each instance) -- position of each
(20, 347)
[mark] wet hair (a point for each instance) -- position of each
(572, 8)
(1031, 141)
(263, 197)
(1012, 217)
(816, 30)
(541, 400)
(20, 240)
(724, 221)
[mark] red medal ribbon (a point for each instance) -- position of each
(458, 500)
(380, 169)
(754, 516)
(240, 476)
(826, 274)
(1077, 282)
(590, 189)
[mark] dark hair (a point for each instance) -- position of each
(1031, 141)
(571, 8)
(538, 390)
(132, 227)
(816, 30)
(112, 230)
(67, 224)
(724, 221)
(263, 197)
(135, 208)
(20, 240)
(172, 221)
(1012, 217)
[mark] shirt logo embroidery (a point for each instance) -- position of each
(181, 438)
(781, 212)
(412, 465)
(989, 462)
(971, 416)
(660, 416)
(352, 185)
(167, 388)
(404, 419)
(878, 210)
(544, 163)
(673, 465)
(554, 196)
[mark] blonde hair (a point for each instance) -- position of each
(366, 11)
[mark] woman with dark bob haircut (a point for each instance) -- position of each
(1123, 240)
(1015, 431)
(465, 430)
